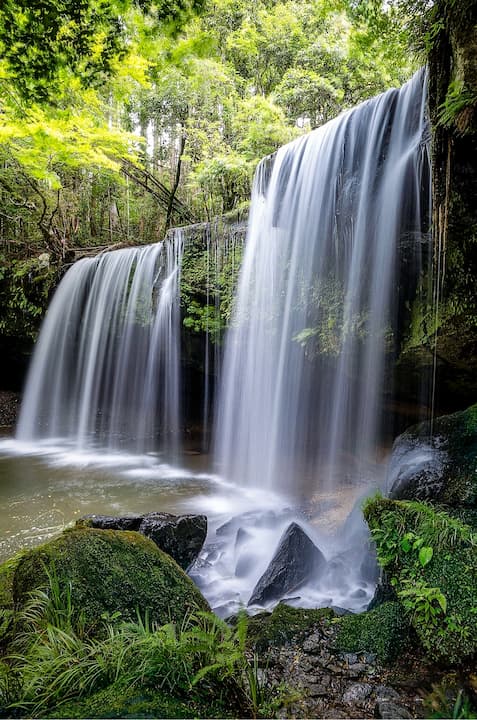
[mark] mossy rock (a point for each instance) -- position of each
(383, 631)
(124, 701)
(109, 572)
(431, 560)
(446, 473)
(284, 624)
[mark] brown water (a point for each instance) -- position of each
(41, 495)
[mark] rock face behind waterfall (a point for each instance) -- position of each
(296, 561)
(442, 469)
(180, 536)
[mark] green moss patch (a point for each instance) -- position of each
(431, 559)
(383, 631)
(284, 624)
(110, 572)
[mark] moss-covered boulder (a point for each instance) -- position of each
(431, 560)
(110, 572)
(123, 700)
(442, 469)
(383, 631)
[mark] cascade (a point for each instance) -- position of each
(105, 371)
(337, 238)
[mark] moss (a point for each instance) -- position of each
(431, 559)
(383, 631)
(110, 571)
(125, 701)
(283, 624)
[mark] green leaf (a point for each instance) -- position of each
(425, 555)
(441, 599)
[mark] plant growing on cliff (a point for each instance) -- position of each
(431, 560)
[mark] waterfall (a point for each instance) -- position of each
(106, 368)
(336, 218)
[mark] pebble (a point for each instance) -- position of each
(313, 643)
(391, 711)
(357, 692)
(384, 692)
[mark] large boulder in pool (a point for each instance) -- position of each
(180, 536)
(296, 561)
(442, 469)
(110, 571)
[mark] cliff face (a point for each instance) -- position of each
(453, 111)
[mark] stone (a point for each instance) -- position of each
(111, 522)
(296, 561)
(313, 643)
(181, 537)
(357, 692)
(318, 689)
(385, 693)
(443, 470)
(390, 711)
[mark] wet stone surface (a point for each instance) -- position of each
(323, 683)
(9, 408)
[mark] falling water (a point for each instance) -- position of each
(105, 371)
(308, 362)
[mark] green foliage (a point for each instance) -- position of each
(284, 624)
(458, 99)
(52, 662)
(208, 279)
(41, 41)
(109, 571)
(383, 631)
(25, 289)
(448, 700)
(431, 559)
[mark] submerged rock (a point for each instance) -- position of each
(180, 536)
(442, 469)
(296, 561)
(109, 571)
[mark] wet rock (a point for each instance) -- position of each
(9, 408)
(313, 643)
(357, 692)
(385, 693)
(242, 537)
(318, 689)
(442, 471)
(180, 536)
(252, 518)
(296, 561)
(339, 611)
(111, 522)
(244, 564)
(388, 710)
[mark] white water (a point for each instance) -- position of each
(105, 371)
(306, 371)
(335, 248)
